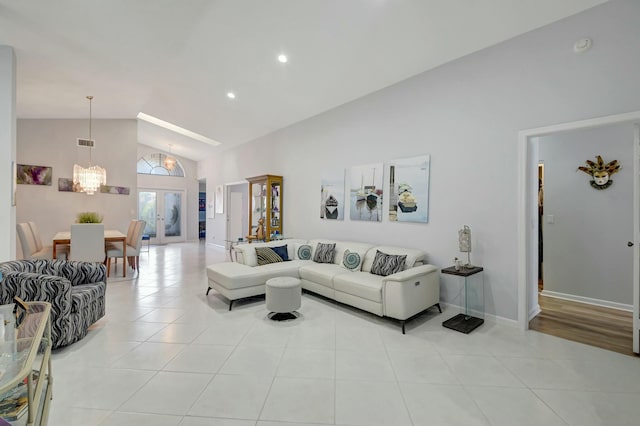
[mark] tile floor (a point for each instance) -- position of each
(166, 355)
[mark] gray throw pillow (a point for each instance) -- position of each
(324, 253)
(387, 264)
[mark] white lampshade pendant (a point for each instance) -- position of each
(89, 178)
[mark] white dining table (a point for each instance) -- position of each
(110, 236)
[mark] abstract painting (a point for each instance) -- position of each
(332, 195)
(67, 185)
(409, 189)
(110, 189)
(365, 193)
(33, 175)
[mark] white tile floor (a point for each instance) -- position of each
(165, 354)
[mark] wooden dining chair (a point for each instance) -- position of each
(87, 242)
(133, 248)
(118, 245)
(62, 251)
(29, 244)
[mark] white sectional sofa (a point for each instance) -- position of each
(400, 295)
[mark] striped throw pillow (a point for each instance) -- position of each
(266, 255)
(387, 264)
(324, 253)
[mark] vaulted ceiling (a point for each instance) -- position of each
(177, 60)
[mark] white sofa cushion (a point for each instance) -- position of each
(361, 284)
(414, 256)
(321, 273)
(233, 275)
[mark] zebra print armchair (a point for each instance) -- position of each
(76, 291)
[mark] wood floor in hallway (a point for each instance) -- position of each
(606, 328)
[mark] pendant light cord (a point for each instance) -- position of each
(91, 147)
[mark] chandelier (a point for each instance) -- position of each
(89, 178)
(169, 161)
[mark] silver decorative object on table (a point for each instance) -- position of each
(464, 243)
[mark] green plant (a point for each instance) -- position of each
(88, 217)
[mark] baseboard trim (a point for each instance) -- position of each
(588, 300)
(488, 318)
(534, 312)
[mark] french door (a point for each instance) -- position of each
(163, 211)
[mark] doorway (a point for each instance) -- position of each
(528, 213)
(540, 226)
(202, 209)
(163, 212)
(237, 195)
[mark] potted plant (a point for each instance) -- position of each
(88, 217)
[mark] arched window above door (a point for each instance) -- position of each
(154, 164)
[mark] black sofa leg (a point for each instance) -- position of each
(438, 305)
(230, 304)
(208, 290)
(402, 322)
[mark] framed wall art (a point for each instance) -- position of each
(33, 175)
(409, 189)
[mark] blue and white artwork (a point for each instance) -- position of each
(365, 193)
(332, 204)
(409, 189)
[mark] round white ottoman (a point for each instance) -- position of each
(283, 296)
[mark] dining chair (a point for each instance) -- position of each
(133, 248)
(87, 242)
(118, 245)
(29, 245)
(62, 251)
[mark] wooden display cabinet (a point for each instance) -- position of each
(265, 200)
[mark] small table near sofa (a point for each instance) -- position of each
(473, 300)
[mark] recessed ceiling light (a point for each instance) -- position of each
(181, 130)
(231, 95)
(283, 59)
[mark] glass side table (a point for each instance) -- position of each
(473, 299)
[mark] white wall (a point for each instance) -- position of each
(188, 183)
(53, 143)
(466, 114)
(7, 151)
(585, 248)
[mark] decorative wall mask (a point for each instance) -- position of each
(600, 172)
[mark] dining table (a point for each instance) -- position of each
(110, 236)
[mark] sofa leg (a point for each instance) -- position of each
(402, 323)
(208, 290)
(230, 304)
(439, 308)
